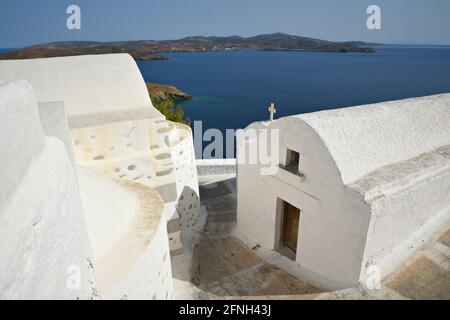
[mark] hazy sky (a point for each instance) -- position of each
(26, 22)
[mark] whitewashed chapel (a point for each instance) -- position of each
(356, 187)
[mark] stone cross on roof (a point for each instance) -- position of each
(272, 110)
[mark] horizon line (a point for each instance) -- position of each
(232, 35)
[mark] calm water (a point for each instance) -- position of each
(234, 88)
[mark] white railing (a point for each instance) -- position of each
(208, 167)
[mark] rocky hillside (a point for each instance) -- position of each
(55, 50)
(150, 50)
(164, 92)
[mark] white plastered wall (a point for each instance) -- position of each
(133, 150)
(188, 198)
(364, 138)
(44, 246)
(131, 254)
(115, 128)
(402, 222)
(106, 98)
(88, 85)
(334, 220)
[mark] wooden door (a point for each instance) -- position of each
(291, 219)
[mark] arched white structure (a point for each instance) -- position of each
(128, 235)
(116, 132)
(114, 127)
(88, 85)
(369, 179)
(364, 138)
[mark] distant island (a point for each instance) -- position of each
(151, 49)
(165, 97)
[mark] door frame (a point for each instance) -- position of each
(279, 226)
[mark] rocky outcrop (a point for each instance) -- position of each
(164, 92)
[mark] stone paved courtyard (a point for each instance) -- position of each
(224, 268)
(426, 274)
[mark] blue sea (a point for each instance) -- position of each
(232, 89)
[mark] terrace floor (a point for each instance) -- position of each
(221, 267)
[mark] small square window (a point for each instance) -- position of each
(292, 160)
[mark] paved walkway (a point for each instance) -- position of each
(223, 268)
(426, 274)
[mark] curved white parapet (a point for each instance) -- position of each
(92, 87)
(108, 207)
(216, 167)
(135, 151)
(44, 246)
(21, 135)
(129, 239)
(178, 132)
(188, 198)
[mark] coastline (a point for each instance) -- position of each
(165, 97)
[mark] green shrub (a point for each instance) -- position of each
(170, 111)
